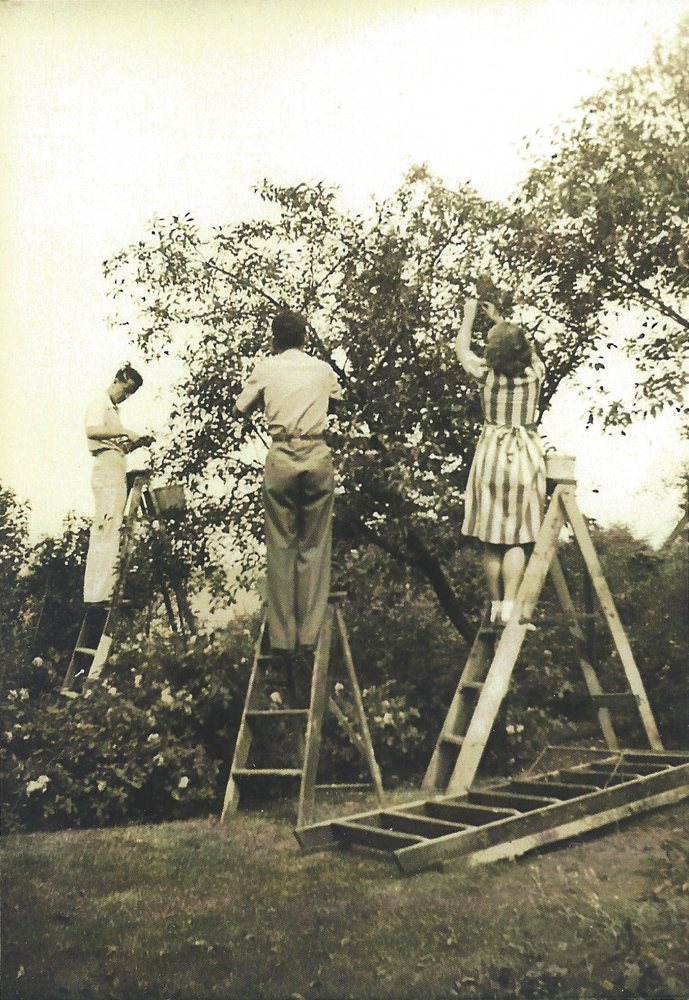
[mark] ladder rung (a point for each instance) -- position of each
(260, 772)
(473, 685)
(84, 649)
(524, 803)
(374, 836)
(352, 785)
(418, 823)
(451, 738)
(624, 700)
(465, 812)
(278, 711)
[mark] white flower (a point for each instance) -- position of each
(509, 729)
(166, 697)
(137, 680)
(153, 737)
(37, 661)
(520, 729)
(183, 782)
(159, 759)
(387, 719)
(9, 736)
(39, 785)
(276, 699)
(339, 688)
(23, 694)
(112, 691)
(101, 786)
(11, 695)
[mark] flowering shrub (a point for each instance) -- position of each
(153, 740)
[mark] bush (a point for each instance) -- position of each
(153, 741)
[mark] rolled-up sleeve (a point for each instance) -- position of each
(335, 389)
(252, 391)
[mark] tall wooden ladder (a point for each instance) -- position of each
(486, 676)
(270, 691)
(99, 623)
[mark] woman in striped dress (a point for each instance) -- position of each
(506, 489)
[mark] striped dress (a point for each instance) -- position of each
(506, 488)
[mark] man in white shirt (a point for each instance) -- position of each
(298, 481)
(109, 443)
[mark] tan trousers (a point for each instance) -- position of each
(298, 495)
(109, 483)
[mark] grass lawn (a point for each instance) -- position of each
(189, 910)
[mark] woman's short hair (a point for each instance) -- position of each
(508, 351)
(289, 330)
(129, 374)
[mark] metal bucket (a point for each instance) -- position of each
(560, 468)
(168, 499)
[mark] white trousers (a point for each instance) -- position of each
(109, 483)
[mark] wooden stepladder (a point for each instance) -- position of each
(264, 705)
(99, 624)
(486, 676)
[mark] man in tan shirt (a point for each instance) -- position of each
(298, 481)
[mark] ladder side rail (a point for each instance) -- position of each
(243, 742)
(68, 682)
(582, 646)
(581, 533)
(365, 735)
(459, 713)
(319, 690)
(105, 642)
(509, 646)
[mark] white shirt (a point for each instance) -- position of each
(102, 412)
(296, 388)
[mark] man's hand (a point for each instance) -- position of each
(134, 441)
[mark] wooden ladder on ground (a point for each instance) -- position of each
(99, 624)
(486, 676)
(264, 705)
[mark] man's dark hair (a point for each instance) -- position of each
(508, 351)
(129, 374)
(289, 330)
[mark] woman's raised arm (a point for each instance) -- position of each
(470, 362)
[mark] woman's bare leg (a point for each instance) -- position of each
(513, 563)
(492, 567)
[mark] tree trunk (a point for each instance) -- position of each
(431, 568)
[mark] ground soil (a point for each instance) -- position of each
(199, 909)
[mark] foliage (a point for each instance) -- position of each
(599, 224)
(13, 549)
(602, 220)
(153, 741)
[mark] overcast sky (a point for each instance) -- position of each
(111, 112)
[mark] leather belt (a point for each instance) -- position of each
(298, 437)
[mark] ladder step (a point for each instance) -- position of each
(344, 786)
(424, 826)
(625, 700)
(262, 772)
(277, 711)
(513, 800)
(373, 836)
(451, 738)
(558, 790)
(84, 649)
(465, 812)
(473, 685)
